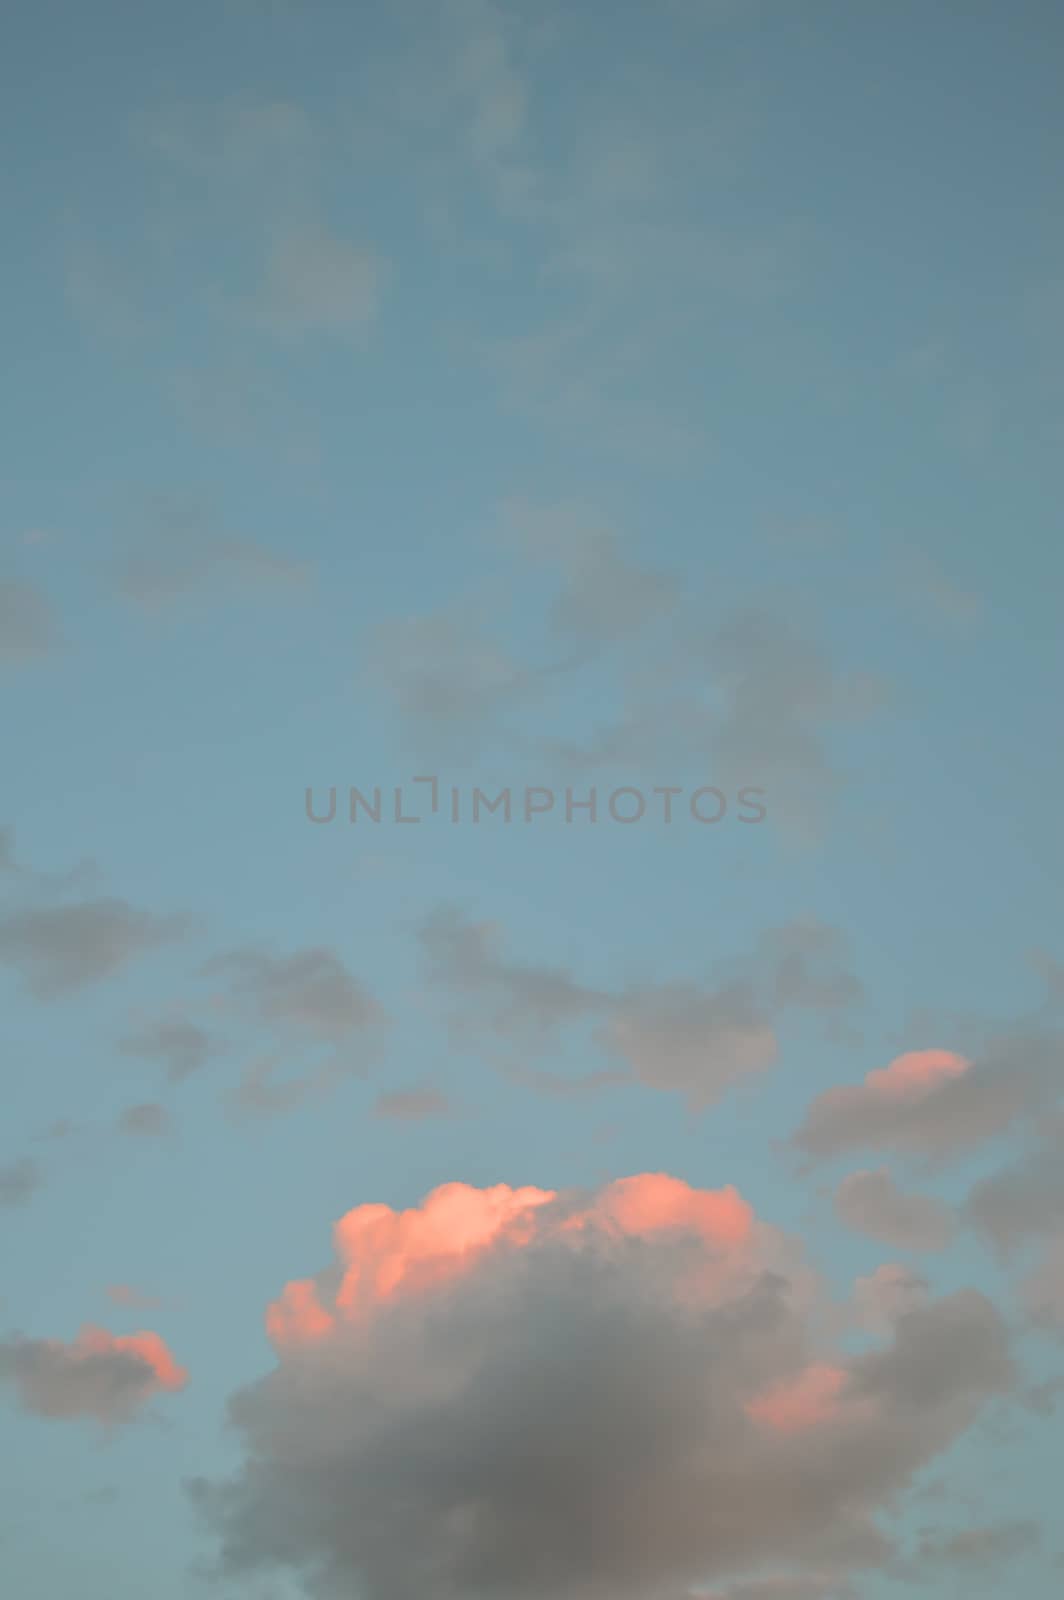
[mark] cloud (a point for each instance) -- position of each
(18, 1182)
(316, 284)
(510, 1392)
(888, 1294)
(150, 1121)
(97, 1375)
(603, 596)
(27, 626)
(694, 1040)
(935, 1103)
(413, 1105)
(1042, 1290)
(180, 1047)
(872, 1203)
(310, 991)
(778, 698)
(1020, 1202)
(124, 1294)
(58, 949)
(447, 680)
(971, 1550)
(182, 558)
(467, 957)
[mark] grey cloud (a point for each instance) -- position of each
(27, 625)
(310, 990)
(148, 1121)
(780, 697)
(603, 596)
(316, 283)
(448, 681)
(180, 1047)
(872, 1203)
(887, 1294)
(558, 1426)
(57, 949)
(1020, 1202)
(183, 560)
(806, 958)
(109, 1384)
(1042, 1290)
(263, 1092)
(694, 1040)
(413, 1105)
(971, 1550)
(1013, 1081)
(468, 958)
(18, 1182)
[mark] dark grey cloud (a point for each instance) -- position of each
(559, 1424)
(18, 1182)
(57, 949)
(873, 1203)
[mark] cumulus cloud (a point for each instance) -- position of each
(57, 949)
(935, 1103)
(509, 1392)
(872, 1203)
(97, 1375)
(27, 625)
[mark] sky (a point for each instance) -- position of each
(529, 845)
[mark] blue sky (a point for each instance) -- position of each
(547, 396)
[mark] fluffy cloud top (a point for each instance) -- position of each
(509, 1392)
(101, 1375)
